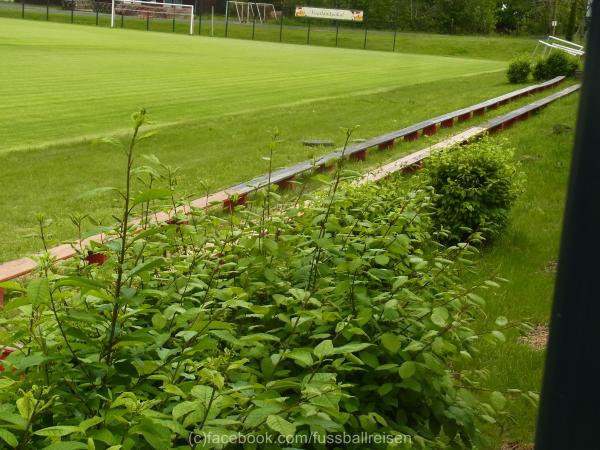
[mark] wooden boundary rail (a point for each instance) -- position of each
(237, 194)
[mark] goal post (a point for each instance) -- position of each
(247, 11)
(147, 9)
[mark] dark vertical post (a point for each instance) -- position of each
(173, 27)
(396, 22)
(281, 25)
(568, 417)
(148, 22)
(23, 9)
(97, 15)
(253, 25)
(72, 11)
(308, 34)
(122, 20)
(199, 10)
(47, 9)
(365, 43)
(226, 18)
(337, 31)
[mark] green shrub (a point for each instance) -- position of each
(519, 70)
(335, 313)
(476, 186)
(554, 65)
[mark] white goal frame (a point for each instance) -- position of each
(246, 9)
(169, 8)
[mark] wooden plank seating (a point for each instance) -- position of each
(238, 194)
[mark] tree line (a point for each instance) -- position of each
(519, 17)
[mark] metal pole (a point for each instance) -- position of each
(281, 26)
(112, 14)
(308, 34)
(365, 43)
(253, 24)
(568, 417)
(72, 10)
(97, 16)
(173, 27)
(212, 21)
(226, 18)
(47, 9)
(192, 22)
(199, 16)
(23, 9)
(122, 20)
(337, 32)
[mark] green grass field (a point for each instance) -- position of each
(62, 83)
(215, 102)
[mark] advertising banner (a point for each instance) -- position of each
(332, 14)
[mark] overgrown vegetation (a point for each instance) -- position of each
(476, 186)
(554, 65)
(336, 313)
(519, 70)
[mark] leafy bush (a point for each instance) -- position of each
(519, 70)
(335, 313)
(556, 64)
(476, 186)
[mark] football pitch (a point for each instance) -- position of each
(65, 83)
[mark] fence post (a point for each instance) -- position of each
(281, 26)
(173, 28)
(72, 11)
(337, 31)
(97, 16)
(47, 10)
(122, 20)
(253, 25)
(23, 9)
(148, 22)
(226, 18)
(199, 10)
(308, 34)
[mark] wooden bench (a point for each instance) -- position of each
(238, 194)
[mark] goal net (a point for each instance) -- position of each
(247, 11)
(156, 10)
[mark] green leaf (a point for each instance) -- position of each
(8, 437)
(6, 383)
(67, 445)
(12, 286)
(58, 431)
(391, 342)
(281, 426)
(146, 266)
(439, 316)
(323, 349)
(497, 400)
(407, 369)
(151, 194)
(301, 355)
(351, 348)
(382, 260)
(88, 423)
(38, 291)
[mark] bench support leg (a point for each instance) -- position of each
(430, 130)
(412, 136)
(464, 117)
(448, 123)
(1, 298)
(359, 156)
(288, 183)
(479, 112)
(231, 203)
(386, 145)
